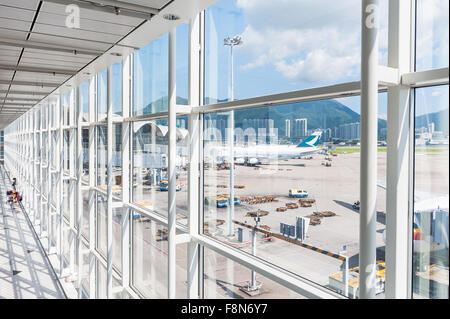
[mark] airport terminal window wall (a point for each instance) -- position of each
(431, 220)
(277, 178)
(283, 46)
(139, 203)
(2, 148)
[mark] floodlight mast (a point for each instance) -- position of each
(231, 42)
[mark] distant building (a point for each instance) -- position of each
(288, 128)
(349, 131)
(326, 134)
(181, 123)
(301, 128)
(217, 127)
(264, 128)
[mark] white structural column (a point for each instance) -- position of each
(126, 126)
(60, 211)
(195, 80)
(172, 166)
(34, 172)
(368, 163)
(41, 189)
(109, 180)
(48, 176)
(78, 196)
(398, 223)
(72, 167)
(92, 177)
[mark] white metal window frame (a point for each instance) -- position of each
(22, 157)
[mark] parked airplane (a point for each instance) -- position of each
(253, 155)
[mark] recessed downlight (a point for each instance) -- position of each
(171, 17)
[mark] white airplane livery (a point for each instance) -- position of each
(252, 155)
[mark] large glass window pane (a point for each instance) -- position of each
(86, 215)
(65, 196)
(53, 154)
(102, 158)
(116, 93)
(182, 164)
(65, 101)
(101, 221)
(117, 160)
(149, 259)
(431, 222)
(101, 281)
(117, 215)
(182, 68)
(102, 95)
(44, 146)
(150, 149)
(293, 164)
(150, 160)
(66, 151)
(85, 268)
(67, 237)
(226, 279)
(150, 90)
(84, 101)
(431, 34)
(85, 146)
(283, 46)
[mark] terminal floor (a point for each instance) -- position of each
(25, 272)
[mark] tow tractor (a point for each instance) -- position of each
(218, 201)
(164, 186)
(295, 192)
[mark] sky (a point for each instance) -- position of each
(292, 45)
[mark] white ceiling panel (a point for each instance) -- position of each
(21, 97)
(11, 24)
(49, 64)
(92, 14)
(34, 53)
(35, 88)
(157, 4)
(40, 77)
(26, 4)
(79, 43)
(13, 34)
(54, 44)
(85, 24)
(8, 60)
(6, 74)
(17, 13)
(63, 31)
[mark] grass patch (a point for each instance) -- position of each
(431, 150)
(351, 150)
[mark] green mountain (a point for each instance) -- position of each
(440, 120)
(320, 114)
(161, 105)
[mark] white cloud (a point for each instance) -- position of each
(432, 33)
(307, 40)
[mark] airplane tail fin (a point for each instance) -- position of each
(311, 141)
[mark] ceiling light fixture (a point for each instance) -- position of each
(171, 17)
